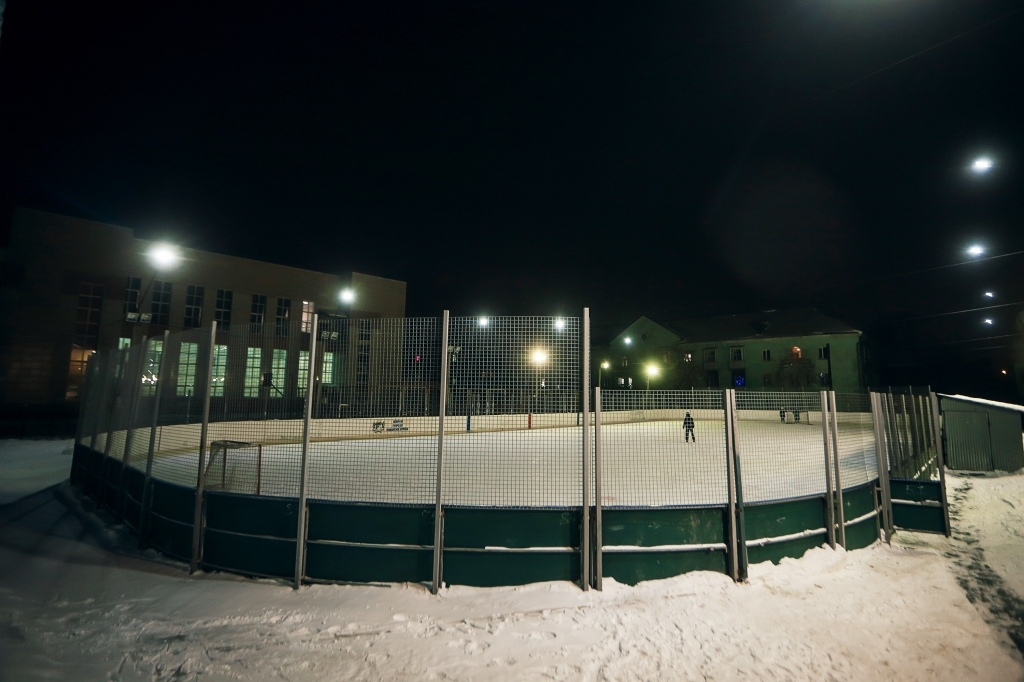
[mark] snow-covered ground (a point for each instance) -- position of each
(30, 465)
(82, 605)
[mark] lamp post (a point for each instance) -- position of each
(600, 373)
(650, 371)
(162, 257)
(538, 358)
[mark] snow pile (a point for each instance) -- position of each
(27, 466)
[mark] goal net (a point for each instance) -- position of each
(235, 466)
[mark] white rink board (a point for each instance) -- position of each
(644, 464)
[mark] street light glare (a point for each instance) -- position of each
(348, 296)
(652, 371)
(539, 357)
(989, 294)
(483, 321)
(988, 321)
(975, 250)
(605, 364)
(559, 324)
(627, 340)
(163, 256)
(982, 164)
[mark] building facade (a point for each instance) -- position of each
(71, 287)
(777, 350)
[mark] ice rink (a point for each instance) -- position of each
(648, 463)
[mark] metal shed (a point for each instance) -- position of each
(981, 435)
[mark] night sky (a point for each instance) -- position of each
(670, 159)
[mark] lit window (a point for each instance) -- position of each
(220, 370)
(124, 343)
(154, 350)
(252, 373)
(687, 357)
(187, 358)
(327, 374)
(303, 372)
(307, 316)
(278, 367)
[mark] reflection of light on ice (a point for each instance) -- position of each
(644, 464)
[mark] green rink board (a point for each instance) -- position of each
(111, 483)
(653, 527)
(790, 548)
(784, 518)
(274, 516)
(369, 564)
(862, 533)
(917, 491)
(371, 524)
(513, 528)
(858, 501)
(168, 537)
(916, 517)
(493, 569)
(634, 567)
(249, 555)
(173, 501)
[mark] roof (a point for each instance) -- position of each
(768, 324)
(982, 401)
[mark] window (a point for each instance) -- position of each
(132, 291)
(278, 368)
(220, 370)
(622, 381)
(188, 356)
(736, 355)
(625, 362)
(154, 351)
(259, 309)
(194, 306)
(161, 305)
(222, 313)
(687, 357)
(710, 355)
(327, 377)
(713, 379)
(284, 313)
(87, 317)
(253, 378)
(823, 353)
(303, 381)
(766, 355)
(739, 378)
(767, 379)
(307, 316)
(124, 343)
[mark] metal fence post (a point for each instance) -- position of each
(740, 529)
(878, 417)
(598, 540)
(101, 372)
(147, 495)
(197, 519)
(438, 511)
(300, 531)
(132, 409)
(585, 576)
(829, 499)
(940, 456)
(840, 512)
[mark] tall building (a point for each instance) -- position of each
(69, 287)
(774, 350)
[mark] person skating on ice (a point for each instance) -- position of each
(688, 428)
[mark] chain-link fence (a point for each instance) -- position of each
(354, 408)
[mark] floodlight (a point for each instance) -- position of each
(164, 256)
(975, 250)
(1003, 371)
(347, 296)
(988, 320)
(627, 340)
(559, 324)
(989, 294)
(482, 321)
(539, 356)
(982, 165)
(651, 370)
(605, 364)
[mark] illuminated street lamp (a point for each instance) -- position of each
(650, 371)
(627, 340)
(483, 321)
(600, 373)
(982, 165)
(990, 294)
(975, 250)
(347, 296)
(164, 256)
(538, 358)
(560, 324)
(988, 320)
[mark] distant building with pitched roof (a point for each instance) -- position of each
(774, 350)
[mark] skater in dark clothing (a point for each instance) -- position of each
(688, 428)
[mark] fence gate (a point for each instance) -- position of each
(968, 439)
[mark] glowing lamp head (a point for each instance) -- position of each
(483, 321)
(347, 296)
(651, 371)
(605, 364)
(163, 256)
(539, 356)
(982, 165)
(989, 294)
(975, 250)
(988, 320)
(627, 340)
